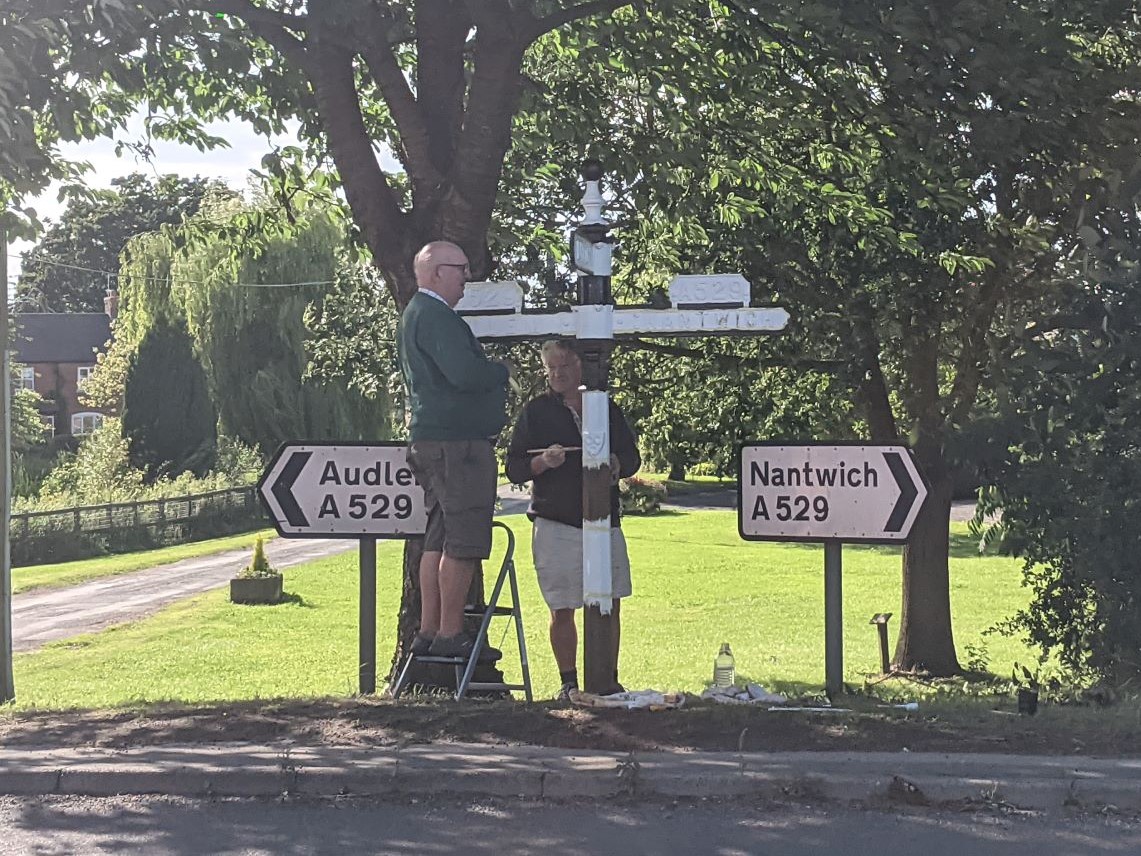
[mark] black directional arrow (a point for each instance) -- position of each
(282, 488)
(907, 491)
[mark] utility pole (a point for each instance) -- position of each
(7, 687)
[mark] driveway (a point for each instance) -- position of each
(46, 615)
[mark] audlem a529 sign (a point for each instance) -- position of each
(821, 492)
(346, 490)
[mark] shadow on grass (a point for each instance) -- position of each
(286, 597)
(960, 546)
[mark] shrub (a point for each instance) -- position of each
(641, 496)
(259, 565)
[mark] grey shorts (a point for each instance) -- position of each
(557, 551)
(458, 477)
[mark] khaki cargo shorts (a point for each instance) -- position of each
(458, 477)
(557, 551)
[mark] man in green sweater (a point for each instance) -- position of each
(457, 398)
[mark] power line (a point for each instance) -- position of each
(107, 273)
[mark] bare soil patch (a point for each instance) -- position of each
(954, 727)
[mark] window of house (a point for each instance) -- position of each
(49, 423)
(27, 378)
(83, 424)
(83, 373)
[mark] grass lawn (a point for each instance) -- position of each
(696, 584)
(73, 573)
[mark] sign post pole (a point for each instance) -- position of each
(368, 616)
(833, 618)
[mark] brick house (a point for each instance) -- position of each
(56, 352)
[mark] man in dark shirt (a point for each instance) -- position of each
(457, 399)
(553, 423)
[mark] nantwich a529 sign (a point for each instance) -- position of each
(822, 492)
(343, 490)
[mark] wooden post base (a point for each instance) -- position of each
(598, 635)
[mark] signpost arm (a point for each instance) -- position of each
(367, 656)
(833, 619)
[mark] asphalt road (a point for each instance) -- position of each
(46, 615)
(164, 825)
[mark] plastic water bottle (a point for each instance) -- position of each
(724, 671)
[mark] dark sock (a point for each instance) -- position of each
(569, 677)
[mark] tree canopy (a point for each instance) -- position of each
(77, 259)
(914, 183)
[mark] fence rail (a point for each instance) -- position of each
(71, 533)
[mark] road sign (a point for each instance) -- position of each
(343, 490)
(824, 491)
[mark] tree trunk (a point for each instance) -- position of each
(926, 641)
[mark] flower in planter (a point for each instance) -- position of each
(259, 565)
(257, 582)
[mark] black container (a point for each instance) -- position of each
(1028, 701)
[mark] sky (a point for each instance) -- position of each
(231, 165)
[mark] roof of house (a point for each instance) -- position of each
(60, 337)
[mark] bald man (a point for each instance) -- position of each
(457, 398)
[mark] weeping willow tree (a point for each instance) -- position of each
(244, 304)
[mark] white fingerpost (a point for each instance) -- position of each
(701, 305)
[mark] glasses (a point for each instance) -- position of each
(462, 266)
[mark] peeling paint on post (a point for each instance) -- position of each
(592, 256)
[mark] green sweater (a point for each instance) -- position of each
(454, 391)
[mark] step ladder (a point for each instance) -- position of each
(465, 667)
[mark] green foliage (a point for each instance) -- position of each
(106, 385)
(352, 342)
(28, 430)
(259, 565)
(236, 462)
(100, 472)
(699, 408)
(1066, 491)
(641, 495)
(1022, 676)
(168, 418)
(93, 231)
(252, 339)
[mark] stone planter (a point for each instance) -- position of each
(256, 589)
